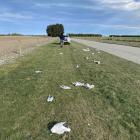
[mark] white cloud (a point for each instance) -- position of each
(118, 26)
(7, 16)
(126, 5)
(66, 5)
(49, 5)
(121, 4)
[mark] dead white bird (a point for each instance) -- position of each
(65, 87)
(89, 86)
(92, 53)
(38, 71)
(97, 62)
(60, 53)
(78, 84)
(88, 124)
(50, 98)
(86, 50)
(77, 66)
(60, 129)
(87, 58)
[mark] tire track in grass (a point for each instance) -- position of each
(116, 66)
(66, 59)
(83, 105)
(96, 118)
(90, 118)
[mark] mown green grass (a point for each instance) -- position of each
(111, 111)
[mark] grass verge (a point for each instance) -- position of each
(109, 112)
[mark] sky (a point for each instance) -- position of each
(78, 16)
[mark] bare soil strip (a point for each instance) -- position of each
(12, 47)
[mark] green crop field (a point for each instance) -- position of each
(110, 111)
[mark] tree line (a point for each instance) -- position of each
(85, 35)
(11, 34)
(55, 30)
(124, 35)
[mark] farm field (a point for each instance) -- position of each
(110, 111)
(12, 44)
(12, 47)
(130, 41)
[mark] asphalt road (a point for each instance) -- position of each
(126, 52)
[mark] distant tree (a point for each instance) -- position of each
(15, 34)
(48, 30)
(55, 30)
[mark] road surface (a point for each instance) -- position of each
(126, 52)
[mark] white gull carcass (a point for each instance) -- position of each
(88, 86)
(97, 62)
(65, 87)
(77, 66)
(50, 98)
(78, 84)
(38, 71)
(86, 50)
(60, 128)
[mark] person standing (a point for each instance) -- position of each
(61, 40)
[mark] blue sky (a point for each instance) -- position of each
(78, 16)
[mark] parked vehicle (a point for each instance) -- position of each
(65, 39)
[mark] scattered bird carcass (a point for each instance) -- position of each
(77, 66)
(97, 62)
(88, 124)
(86, 50)
(38, 71)
(50, 98)
(88, 86)
(78, 84)
(60, 128)
(65, 87)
